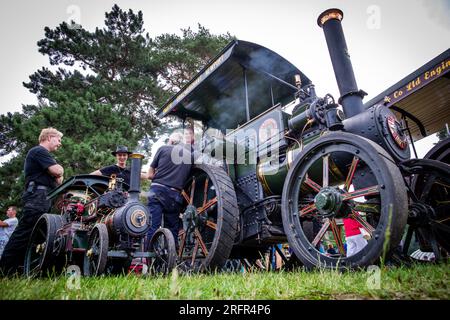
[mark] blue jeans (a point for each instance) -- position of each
(164, 201)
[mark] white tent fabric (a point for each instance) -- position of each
(422, 256)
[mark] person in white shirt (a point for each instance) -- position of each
(7, 227)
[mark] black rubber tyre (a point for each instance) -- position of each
(96, 254)
(39, 257)
(439, 194)
(350, 162)
(209, 219)
(431, 187)
(162, 245)
(440, 152)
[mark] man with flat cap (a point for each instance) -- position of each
(119, 169)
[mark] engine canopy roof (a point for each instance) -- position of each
(242, 74)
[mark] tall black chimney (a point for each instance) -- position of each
(351, 97)
(135, 178)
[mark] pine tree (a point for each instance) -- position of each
(443, 134)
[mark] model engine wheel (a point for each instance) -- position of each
(39, 257)
(162, 245)
(338, 182)
(96, 254)
(209, 219)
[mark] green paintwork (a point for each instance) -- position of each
(80, 240)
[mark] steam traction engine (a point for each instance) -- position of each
(98, 224)
(281, 164)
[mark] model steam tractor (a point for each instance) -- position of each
(98, 224)
(281, 164)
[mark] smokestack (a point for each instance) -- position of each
(351, 97)
(135, 178)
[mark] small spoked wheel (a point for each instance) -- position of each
(209, 219)
(40, 257)
(344, 203)
(162, 246)
(96, 254)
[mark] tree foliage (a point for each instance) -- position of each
(443, 134)
(102, 89)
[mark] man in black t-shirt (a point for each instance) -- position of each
(119, 169)
(42, 173)
(168, 171)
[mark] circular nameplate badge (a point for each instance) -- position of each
(395, 131)
(268, 129)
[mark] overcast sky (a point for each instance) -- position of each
(387, 40)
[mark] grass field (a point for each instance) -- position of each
(417, 282)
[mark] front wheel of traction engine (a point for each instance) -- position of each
(96, 254)
(209, 219)
(162, 245)
(40, 256)
(352, 193)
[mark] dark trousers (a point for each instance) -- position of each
(163, 201)
(34, 205)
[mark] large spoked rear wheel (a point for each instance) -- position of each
(40, 257)
(209, 219)
(344, 203)
(97, 252)
(162, 246)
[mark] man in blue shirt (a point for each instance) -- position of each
(7, 227)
